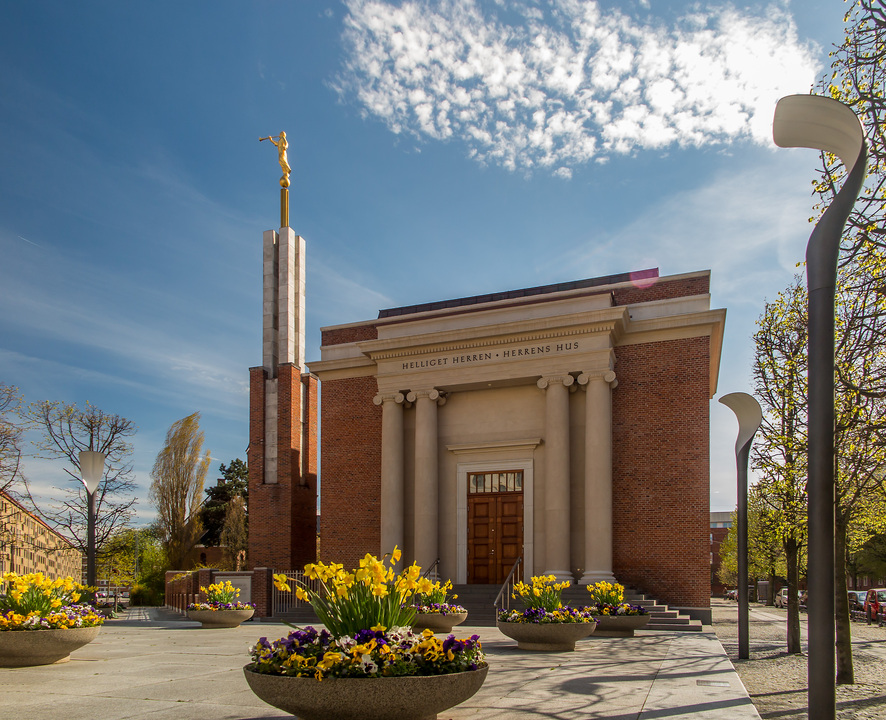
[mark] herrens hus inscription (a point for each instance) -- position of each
(509, 354)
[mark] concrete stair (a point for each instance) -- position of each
(479, 600)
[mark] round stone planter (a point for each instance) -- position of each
(220, 618)
(619, 625)
(20, 648)
(438, 622)
(385, 698)
(548, 637)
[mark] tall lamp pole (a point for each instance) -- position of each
(820, 123)
(749, 415)
(92, 467)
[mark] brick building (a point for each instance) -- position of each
(29, 545)
(566, 424)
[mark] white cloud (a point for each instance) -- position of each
(573, 85)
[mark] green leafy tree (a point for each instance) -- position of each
(177, 488)
(858, 79)
(234, 482)
(780, 448)
(764, 551)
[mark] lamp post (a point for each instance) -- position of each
(749, 415)
(821, 123)
(92, 467)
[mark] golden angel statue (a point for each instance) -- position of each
(281, 143)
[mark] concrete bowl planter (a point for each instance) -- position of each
(547, 637)
(21, 648)
(416, 697)
(619, 625)
(439, 622)
(220, 618)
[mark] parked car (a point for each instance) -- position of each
(856, 600)
(875, 605)
(781, 600)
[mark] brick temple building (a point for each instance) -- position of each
(566, 424)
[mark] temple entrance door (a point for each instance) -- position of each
(495, 525)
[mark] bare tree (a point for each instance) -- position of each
(67, 429)
(177, 488)
(11, 437)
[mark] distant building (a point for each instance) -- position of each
(720, 524)
(29, 545)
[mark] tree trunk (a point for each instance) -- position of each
(770, 597)
(845, 670)
(791, 551)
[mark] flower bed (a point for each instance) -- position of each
(378, 652)
(540, 616)
(221, 606)
(608, 599)
(439, 608)
(36, 602)
(64, 618)
(221, 596)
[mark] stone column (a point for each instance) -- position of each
(557, 530)
(391, 471)
(426, 471)
(598, 476)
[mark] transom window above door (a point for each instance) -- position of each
(507, 481)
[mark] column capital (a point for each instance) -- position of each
(607, 376)
(388, 397)
(565, 380)
(429, 393)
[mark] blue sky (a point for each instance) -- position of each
(439, 150)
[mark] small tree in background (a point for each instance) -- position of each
(177, 488)
(234, 534)
(234, 482)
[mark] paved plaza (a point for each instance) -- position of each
(152, 665)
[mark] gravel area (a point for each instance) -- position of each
(776, 681)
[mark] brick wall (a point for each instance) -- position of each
(351, 491)
(661, 517)
(183, 588)
(662, 290)
(339, 336)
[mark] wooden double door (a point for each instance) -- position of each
(495, 535)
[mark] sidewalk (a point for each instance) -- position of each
(149, 664)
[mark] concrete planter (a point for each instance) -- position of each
(547, 637)
(438, 622)
(220, 618)
(20, 648)
(385, 698)
(619, 625)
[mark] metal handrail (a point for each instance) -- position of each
(504, 588)
(435, 568)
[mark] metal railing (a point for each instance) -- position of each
(507, 587)
(434, 570)
(282, 601)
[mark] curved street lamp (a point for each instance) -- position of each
(92, 467)
(750, 415)
(820, 123)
